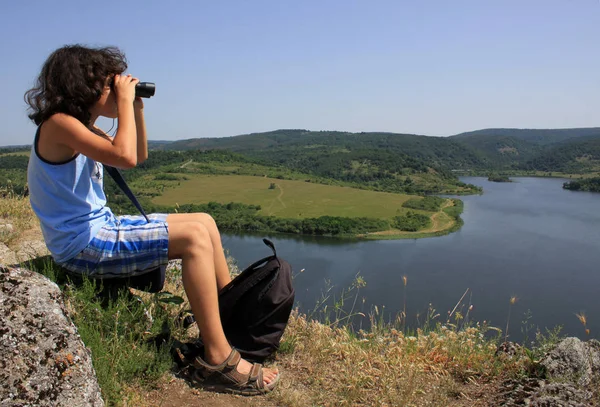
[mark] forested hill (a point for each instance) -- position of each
(566, 150)
(581, 155)
(535, 136)
(382, 160)
(379, 160)
(419, 152)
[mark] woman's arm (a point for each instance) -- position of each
(140, 128)
(120, 151)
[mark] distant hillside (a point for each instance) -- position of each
(535, 136)
(410, 149)
(325, 152)
(381, 158)
(156, 144)
(505, 152)
(523, 148)
(572, 156)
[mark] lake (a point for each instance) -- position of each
(529, 238)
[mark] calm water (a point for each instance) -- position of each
(530, 239)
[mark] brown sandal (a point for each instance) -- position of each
(225, 377)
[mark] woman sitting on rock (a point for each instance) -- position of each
(65, 176)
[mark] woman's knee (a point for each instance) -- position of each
(191, 238)
(209, 222)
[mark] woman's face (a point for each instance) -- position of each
(107, 105)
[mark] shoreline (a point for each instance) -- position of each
(453, 223)
(538, 174)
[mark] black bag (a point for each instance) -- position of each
(255, 306)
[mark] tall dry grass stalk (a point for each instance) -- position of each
(512, 301)
(457, 304)
(583, 319)
(405, 282)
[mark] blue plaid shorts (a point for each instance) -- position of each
(124, 248)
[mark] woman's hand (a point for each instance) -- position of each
(124, 86)
(138, 104)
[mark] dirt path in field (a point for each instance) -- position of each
(439, 221)
(280, 195)
(436, 222)
(185, 164)
(278, 199)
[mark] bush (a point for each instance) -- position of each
(428, 203)
(411, 222)
(166, 177)
(238, 217)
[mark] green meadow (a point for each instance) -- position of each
(285, 198)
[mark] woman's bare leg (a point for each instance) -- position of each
(221, 268)
(191, 242)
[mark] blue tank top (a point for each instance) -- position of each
(68, 198)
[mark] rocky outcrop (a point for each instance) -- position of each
(574, 361)
(571, 370)
(43, 361)
(7, 256)
(29, 245)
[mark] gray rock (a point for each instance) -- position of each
(561, 395)
(572, 369)
(6, 228)
(43, 361)
(509, 349)
(31, 249)
(573, 360)
(7, 256)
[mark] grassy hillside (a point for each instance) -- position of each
(379, 161)
(293, 206)
(245, 195)
(285, 198)
(13, 169)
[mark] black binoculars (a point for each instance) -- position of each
(142, 89)
(145, 89)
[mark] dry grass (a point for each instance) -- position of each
(333, 366)
(16, 217)
(325, 365)
(330, 365)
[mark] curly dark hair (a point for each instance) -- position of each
(72, 81)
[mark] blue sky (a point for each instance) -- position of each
(224, 68)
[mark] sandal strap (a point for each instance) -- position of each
(230, 363)
(256, 375)
(226, 377)
(225, 371)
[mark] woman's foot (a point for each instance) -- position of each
(269, 375)
(242, 376)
